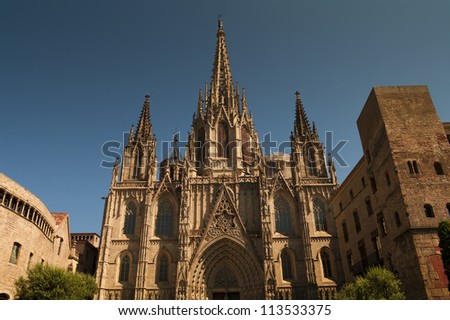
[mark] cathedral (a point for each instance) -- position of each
(222, 221)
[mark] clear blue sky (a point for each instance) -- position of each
(73, 75)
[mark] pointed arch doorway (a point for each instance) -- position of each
(225, 285)
(226, 270)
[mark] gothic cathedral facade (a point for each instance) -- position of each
(224, 221)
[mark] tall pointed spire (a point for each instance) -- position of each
(221, 82)
(200, 104)
(301, 126)
(144, 128)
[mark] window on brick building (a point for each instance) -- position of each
(350, 260)
(388, 179)
(351, 194)
(382, 223)
(428, 210)
(369, 207)
(15, 252)
(30, 260)
(398, 222)
(373, 184)
(413, 167)
(363, 182)
(438, 168)
(448, 209)
(345, 231)
(362, 253)
(357, 221)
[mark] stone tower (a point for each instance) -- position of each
(224, 221)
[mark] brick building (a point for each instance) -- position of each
(30, 234)
(388, 209)
(86, 245)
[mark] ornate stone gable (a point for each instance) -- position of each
(165, 186)
(280, 183)
(224, 219)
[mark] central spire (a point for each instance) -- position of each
(221, 82)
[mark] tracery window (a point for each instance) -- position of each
(246, 145)
(130, 218)
(320, 215)
(286, 265)
(222, 147)
(164, 218)
(163, 268)
(326, 264)
(282, 215)
(124, 270)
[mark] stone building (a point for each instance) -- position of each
(30, 234)
(388, 209)
(86, 245)
(224, 221)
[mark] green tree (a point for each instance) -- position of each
(52, 283)
(444, 244)
(378, 284)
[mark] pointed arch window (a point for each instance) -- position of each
(286, 265)
(246, 145)
(311, 160)
(138, 163)
(164, 218)
(326, 264)
(124, 270)
(200, 148)
(438, 168)
(223, 140)
(320, 215)
(282, 215)
(163, 269)
(130, 218)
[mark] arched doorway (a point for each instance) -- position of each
(4, 296)
(226, 270)
(225, 285)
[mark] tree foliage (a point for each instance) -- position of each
(52, 283)
(378, 284)
(444, 244)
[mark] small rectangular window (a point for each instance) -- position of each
(369, 207)
(14, 257)
(373, 184)
(381, 223)
(363, 182)
(357, 222)
(345, 231)
(350, 261)
(398, 222)
(362, 252)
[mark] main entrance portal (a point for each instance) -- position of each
(226, 285)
